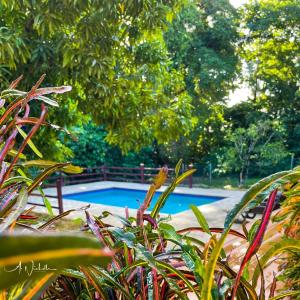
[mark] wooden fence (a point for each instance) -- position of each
(139, 174)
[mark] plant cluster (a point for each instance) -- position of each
(31, 244)
(289, 222)
(144, 257)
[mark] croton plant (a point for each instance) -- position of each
(145, 257)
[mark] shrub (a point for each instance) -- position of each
(26, 249)
(146, 257)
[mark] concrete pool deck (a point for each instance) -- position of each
(214, 212)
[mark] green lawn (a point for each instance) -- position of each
(227, 182)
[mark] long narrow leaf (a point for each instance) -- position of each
(37, 288)
(164, 196)
(32, 256)
(30, 143)
(277, 248)
(92, 278)
(45, 174)
(200, 218)
(286, 294)
(47, 163)
(254, 246)
(60, 216)
(254, 191)
(16, 210)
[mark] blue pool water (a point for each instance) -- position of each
(132, 198)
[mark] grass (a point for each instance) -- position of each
(228, 182)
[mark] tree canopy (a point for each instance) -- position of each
(271, 47)
(159, 74)
(114, 56)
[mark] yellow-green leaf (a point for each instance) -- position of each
(30, 256)
(30, 143)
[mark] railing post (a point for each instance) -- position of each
(104, 172)
(191, 176)
(59, 195)
(142, 167)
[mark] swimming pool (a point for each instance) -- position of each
(132, 198)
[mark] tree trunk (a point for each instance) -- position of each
(241, 177)
(247, 172)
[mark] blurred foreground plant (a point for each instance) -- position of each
(30, 259)
(149, 257)
(288, 219)
(153, 260)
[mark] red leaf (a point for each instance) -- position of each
(15, 82)
(27, 217)
(257, 239)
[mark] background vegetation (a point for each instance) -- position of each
(161, 73)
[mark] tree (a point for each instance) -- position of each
(262, 143)
(201, 40)
(91, 150)
(114, 56)
(271, 48)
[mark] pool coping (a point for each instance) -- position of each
(214, 212)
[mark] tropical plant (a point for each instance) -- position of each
(31, 258)
(289, 222)
(260, 145)
(153, 259)
(149, 257)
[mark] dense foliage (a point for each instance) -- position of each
(162, 72)
(114, 56)
(144, 257)
(271, 50)
(261, 145)
(202, 40)
(91, 149)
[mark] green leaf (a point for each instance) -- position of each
(16, 210)
(286, 294)
(169, 232)
(45, 174)
(184, 176)
(177, 168)
(56, 218)
(94, 281)
(104, 274)
(160, 266)
(33, 289)
(253, 230)
(211, 267)
(30, 143)
(253, 192)
(179, 275)
(164, 196)
(48, 206)
(278, 247)
(47, 163)
(200, 218)
(21, 255)
(46, 202)
(13, 153)
(16, 180)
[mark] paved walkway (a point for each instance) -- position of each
(214, 212)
